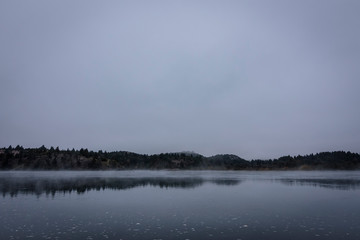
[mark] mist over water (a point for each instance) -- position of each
(180, 205)
(51, 182)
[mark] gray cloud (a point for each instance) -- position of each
(258, 79)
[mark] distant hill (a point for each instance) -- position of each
(227, 161)
(20, 158)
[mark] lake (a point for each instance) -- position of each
(180, 205)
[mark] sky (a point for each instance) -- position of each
(256, 78)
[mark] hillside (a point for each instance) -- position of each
(20, 158)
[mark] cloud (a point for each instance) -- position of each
(257, 79)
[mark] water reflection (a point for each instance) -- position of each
(51, 186)
(50, 183)
(80, 185)
(339, 184)
(226, 182)
(199, 205)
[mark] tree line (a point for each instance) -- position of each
(42, 158)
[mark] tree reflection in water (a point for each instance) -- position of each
(339, 184)
(38, 186)
(50, 183)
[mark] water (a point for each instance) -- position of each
(180, 205)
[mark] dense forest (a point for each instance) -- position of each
(42, 158)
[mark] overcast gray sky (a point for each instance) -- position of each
(259, 79)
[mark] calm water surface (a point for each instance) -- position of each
(180, 205)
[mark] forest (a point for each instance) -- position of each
(42, 158)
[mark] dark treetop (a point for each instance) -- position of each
(20, 158)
